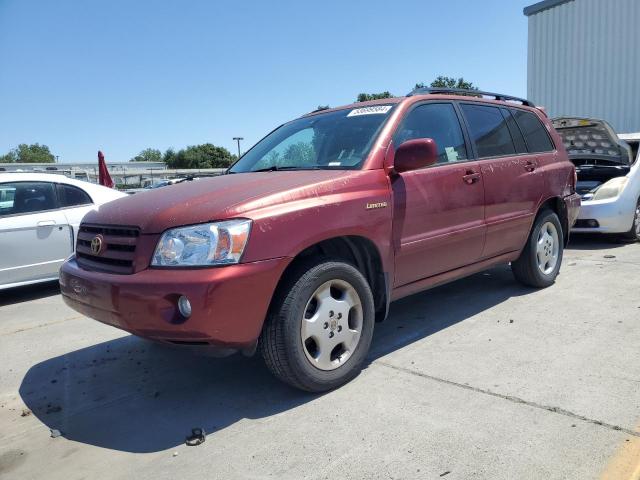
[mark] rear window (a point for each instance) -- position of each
(71, 196)
(535, 134)
(489, 131)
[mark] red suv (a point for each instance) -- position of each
(299, 249)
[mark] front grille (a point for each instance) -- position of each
(118, 251)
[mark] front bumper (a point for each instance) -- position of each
(613, 215)
(229, 304)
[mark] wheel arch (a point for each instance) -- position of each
(557, 205)
(356, 250)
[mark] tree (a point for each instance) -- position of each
(9, 157)
(206, 155)
(450, 82)
(365, 97)
(148, 155)
(34, 153)
(169, 156)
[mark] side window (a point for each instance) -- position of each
(516, 134)
(70, 196)
(489, 131)
(26, 197)
(439, 122)
(535, 134)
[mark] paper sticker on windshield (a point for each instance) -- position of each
(452, 155)
(374, 110)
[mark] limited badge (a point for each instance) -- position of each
(371, 206)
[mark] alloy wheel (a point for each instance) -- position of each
(331, 324)
(547, 248)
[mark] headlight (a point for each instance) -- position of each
(219, 243)
(610, 189)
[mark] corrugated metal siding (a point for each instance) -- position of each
(584, 60)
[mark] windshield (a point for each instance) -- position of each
(334, 140)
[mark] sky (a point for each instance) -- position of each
(122, 75)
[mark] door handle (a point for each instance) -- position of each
(46, 223)
(471, 177)
(529, 166)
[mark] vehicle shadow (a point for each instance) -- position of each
(593, 241)
(27, 293)
(134, 396)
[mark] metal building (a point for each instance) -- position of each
(584, 59)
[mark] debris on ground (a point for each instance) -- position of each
(609, 256)
(445, 473)
(25, 412)
(511, 320)
(175, 454)
(55, 433)
(197, 437)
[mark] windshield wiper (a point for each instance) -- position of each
(275, 168)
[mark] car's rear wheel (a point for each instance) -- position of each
(318, 332)
(540, 260)
(633, 235)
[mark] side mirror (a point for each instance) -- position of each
(415, 154)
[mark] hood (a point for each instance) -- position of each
(592, 142)
(211, 199)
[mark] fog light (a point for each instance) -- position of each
(184, 306)
(593, 223)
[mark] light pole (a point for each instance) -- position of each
(237, 139)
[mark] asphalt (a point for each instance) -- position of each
(481, 378)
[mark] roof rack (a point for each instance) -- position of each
(473, 93)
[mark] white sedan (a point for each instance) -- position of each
(39, 219)
(608, 170)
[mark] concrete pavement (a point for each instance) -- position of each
(481, 378)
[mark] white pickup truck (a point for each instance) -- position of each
(608, 169)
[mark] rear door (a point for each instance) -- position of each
(438, 222)
(35, 236)
(513, 182)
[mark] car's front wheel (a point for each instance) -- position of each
(540, 260)
(319, 330)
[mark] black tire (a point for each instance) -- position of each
(281, 344)
(633, 235)
(525, 268)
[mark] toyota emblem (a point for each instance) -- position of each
(97, 244)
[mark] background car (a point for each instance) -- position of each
(165, 183)
(39, 219)
(608, 173)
